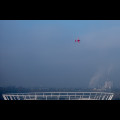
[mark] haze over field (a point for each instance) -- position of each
(43, 53)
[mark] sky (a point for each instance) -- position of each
(43, 53)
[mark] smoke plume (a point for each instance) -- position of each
(99, 76)
(96, 78)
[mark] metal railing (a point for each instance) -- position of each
(59, 96)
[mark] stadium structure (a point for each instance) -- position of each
(59, 96)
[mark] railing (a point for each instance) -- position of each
(59, 96)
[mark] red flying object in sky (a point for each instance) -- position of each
(77, 40)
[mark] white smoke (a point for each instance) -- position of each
(99, 76)
(96, 78)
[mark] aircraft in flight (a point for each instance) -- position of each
(78, 40)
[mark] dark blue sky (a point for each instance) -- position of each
(43, 53)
